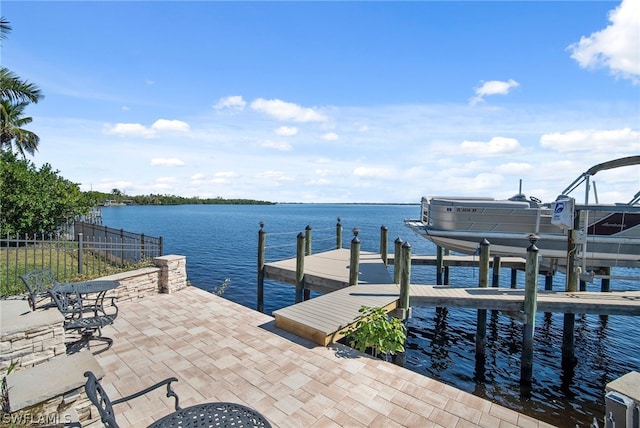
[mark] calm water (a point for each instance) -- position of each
(220, 242)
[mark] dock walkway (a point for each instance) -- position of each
(322, 319)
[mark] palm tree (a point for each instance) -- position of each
(15, 95)
(14, 89)
(11, 132)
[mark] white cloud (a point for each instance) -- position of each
(198, 176)
(615, 140)
(377, 172)
(617, 47)
(166, 162)
(277, 176)
(495, 146)
(283, 110)
(130, 129)
(493, 87)
(330, 136)
(139, 130)
(513, 168)
(170, 125)
(278, 145)
(287, 131)
(166, 180)
(233, 102)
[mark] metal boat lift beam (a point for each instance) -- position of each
(616, 163)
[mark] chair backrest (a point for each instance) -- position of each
(65, 299)
(38, 283)
(100, 399)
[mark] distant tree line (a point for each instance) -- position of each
(119, 197)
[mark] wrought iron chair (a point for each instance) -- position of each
(86, 319)
(38, 283)
(100, 399)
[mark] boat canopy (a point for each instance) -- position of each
(616, 163)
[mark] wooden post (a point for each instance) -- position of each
(514, 278)
(530, 297)
(548, 282)
(439, 264)
(483, 281)
(354, 265)
(405, 281)
(262, 238)
(307, 240)
(397, 260)
(299, 267)
(605, 283)
(384, 234)
(569, 321)
(495, 278)
(446, 270)
(307, 252)
(338, 234)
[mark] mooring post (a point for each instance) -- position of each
(446, 270)
(307, 252)
(299, 267)
(483, 282)
(495, 277)
(569, 321)
(439, 264)
(514, 278)
(354, 265)
(548, 282)
(384, 233)
(405, 281)
(338, 234)
(605, 282)
(262, 238)
(530, 297)
(397, 260)
(307, 240)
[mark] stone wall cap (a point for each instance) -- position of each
(16, 316)
(170, 257)
(50, 379)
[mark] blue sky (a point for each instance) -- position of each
(332, 101)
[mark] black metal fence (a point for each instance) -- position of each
(82, 252)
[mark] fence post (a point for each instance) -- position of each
(299, 267)
(384, 233)
(397, 261)
(530, 296)
(142, 256)
(80, 251)
(354, 265)
(262, 237)
(338, 234)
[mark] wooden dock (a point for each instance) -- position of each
(322, 319)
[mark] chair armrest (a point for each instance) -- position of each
(170, 392)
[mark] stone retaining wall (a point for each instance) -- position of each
(30, 338)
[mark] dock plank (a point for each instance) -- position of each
(322, 318)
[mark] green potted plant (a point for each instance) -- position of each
(377, 331)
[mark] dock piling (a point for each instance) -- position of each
(439, 265)
(299, 267)
(405, 281)
(338, 234)
(495, 277)
(483, 281)
(354, 265)
(262, 237)
(384, 234)
(530, 301)
(397, 260)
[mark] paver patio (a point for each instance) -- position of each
(222, 351)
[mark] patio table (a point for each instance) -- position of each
(213, 415)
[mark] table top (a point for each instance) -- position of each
(213, 415)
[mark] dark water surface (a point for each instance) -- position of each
(220, 242)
